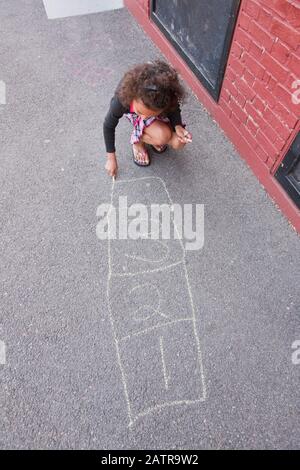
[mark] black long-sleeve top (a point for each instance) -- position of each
(116, 111)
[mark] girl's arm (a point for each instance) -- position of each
(115, 112)
(180, 129)
(175, 117)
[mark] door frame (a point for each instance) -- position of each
(283, 173)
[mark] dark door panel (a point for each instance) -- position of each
(288, 174)
(201, 31)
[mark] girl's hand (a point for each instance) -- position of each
(183, 135)
(111, 165)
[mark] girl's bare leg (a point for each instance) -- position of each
(159, 134)
(141, 153)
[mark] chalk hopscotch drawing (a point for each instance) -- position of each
(152, 312)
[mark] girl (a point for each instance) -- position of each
(149, 96)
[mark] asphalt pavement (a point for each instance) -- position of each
(106, 349)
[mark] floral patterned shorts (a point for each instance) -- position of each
(140, 124)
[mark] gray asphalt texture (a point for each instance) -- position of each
(61, 386)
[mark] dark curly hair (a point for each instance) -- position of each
(156, 83)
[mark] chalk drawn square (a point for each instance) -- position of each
(162, 368)
(149, 300)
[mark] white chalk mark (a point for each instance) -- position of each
(164, 405)
(146, 236)
(2, 92)
(163, 362)
(159, 325)
(154, 310)
(138, 273)
(142, 307)
(148, 260)
(132, 419)
(196, 333)
(2, 352)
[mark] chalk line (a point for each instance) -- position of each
(164, 405)
(155, 310)
(163, 362)
(159, 325)
(148, 260)
(138, 273)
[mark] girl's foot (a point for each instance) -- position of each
(159, 148)
(140, 155)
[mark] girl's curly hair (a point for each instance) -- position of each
(156, 83)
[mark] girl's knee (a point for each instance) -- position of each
(163, 136)
(160, 133)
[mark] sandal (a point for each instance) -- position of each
(135, 155)
(159, 148)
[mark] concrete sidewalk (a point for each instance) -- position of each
(61, 386)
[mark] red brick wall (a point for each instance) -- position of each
(264, 62)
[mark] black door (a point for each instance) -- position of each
(201, 31)
(288, 174)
